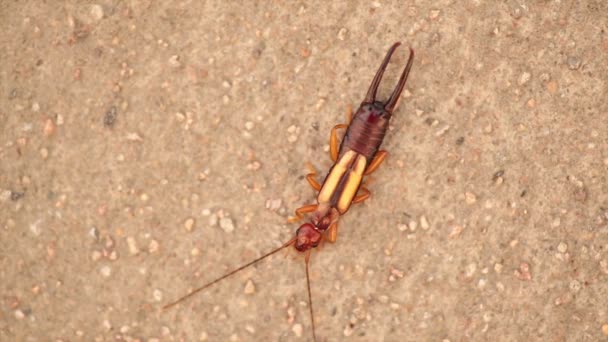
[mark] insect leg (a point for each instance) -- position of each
(311, 177)
(332, 233)
(378, 159)
(334, 145)
(362, 196)
(301, 211)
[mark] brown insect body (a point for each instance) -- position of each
(366, 131)
(356, 156)
(359, 155)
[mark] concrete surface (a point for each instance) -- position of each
(147, 147)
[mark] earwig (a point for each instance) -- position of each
(357, 156)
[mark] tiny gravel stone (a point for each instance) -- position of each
(498, 268)
(189, 224)
(434, 14)
(153, 246)
(106, 271)
(470, 198)
(297, 329)
(249, 287)
(94, 233)
(470, 270)
(575, 286)
(605, 329)
(348, 331)
(133, 136)
(226, 224)
(292, 138)
(109, 119)
(562, 247)
(273, 204)
(574, 62)
(456, 231)
(174, 61)
(44, 153)
(96, 12)
(524, 78)
(203, 336)
(49, 127)
(133, 249)
(96, 255)
(249, 125)
(158, 295)
(342, 33)
(424, 223)
(413, 225)
(19, 314)
(402, 227)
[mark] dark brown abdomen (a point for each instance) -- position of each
(366, 132)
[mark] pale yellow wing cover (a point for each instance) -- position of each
(345, 176)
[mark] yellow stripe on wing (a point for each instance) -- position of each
(352, 184)
(333, 179)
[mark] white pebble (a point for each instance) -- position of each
(226, 224)
(158, 295)
(189, 224)
(297, 329)
(249, 287)
(106, 271)
(562, 247)
(133, 249)
(424, 223)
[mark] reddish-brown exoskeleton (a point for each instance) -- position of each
(357, 156)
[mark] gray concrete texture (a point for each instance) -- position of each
(149, 146)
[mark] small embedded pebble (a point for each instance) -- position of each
(49, 127)
(189, 224)
(109, 119)
(44, 153)
(249, 125)
(19, 314)
(96, 255)
(158, 295)
(94, 233)
(106, 271)
(605, 329)
(575, 286)
(174, 61)
(226, 224)
(424, 223)
(273, 204)
(562, 247)
(342, 33)
(153, 246)
(249, 287)
(297, 329)
(574, 62)
(456, 230)
(470, 198)
(434, 14)
(524, 78)
(96, 12)
(470, 270)
(133, 249)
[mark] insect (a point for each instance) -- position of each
(358, 155)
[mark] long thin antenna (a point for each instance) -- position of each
(195, 291)
(312, 316)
